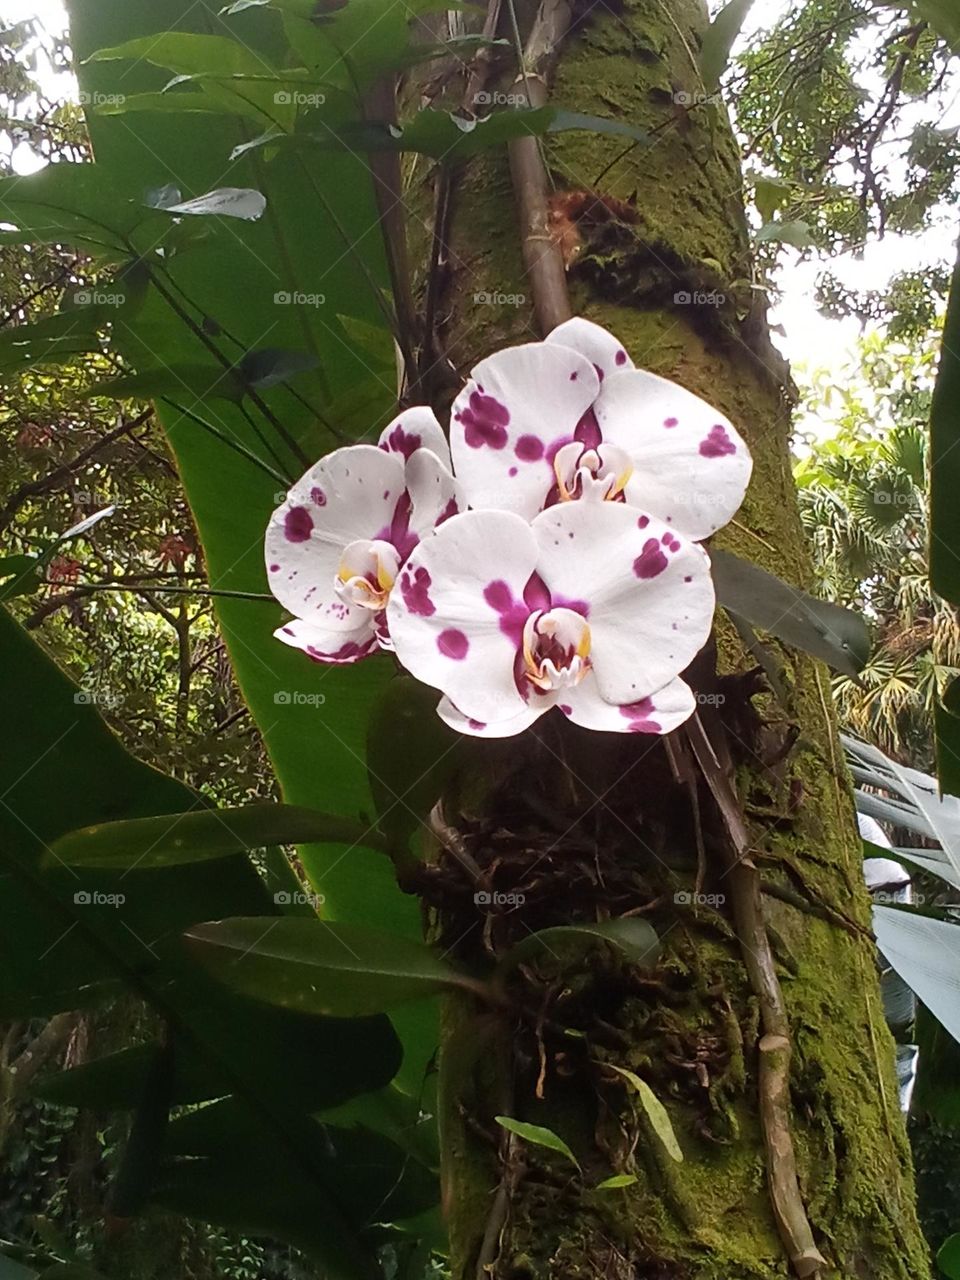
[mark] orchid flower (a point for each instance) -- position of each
(335, 545)
(571, 417)
(591, 607)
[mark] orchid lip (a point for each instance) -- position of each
(599, 474)
(367, 572)
(556, 649)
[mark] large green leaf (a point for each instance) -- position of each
(945, 456)
(836, 635)
(337, 969)
(280, 281)
(204, 834)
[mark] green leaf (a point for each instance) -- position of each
(447, 135)
(271, 366)
(204, 834)
(719, 39)
(948, 1257)
(315, 966)
(618, 1180)
(769, 195)
(190, 383)
(654, 1109)
(945, 456)
(634, 938)
(411, 754)
(795, 233)
(946, 715)
(836, 635)
(944, 18)
(19, 576)
(539, 1135)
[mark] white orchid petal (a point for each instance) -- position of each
(434, 493)
(646, 593)
(604, 351)
(350, 495)
(516, 410)
(659, 713)
(331, 646)
(457, 613)
(415, 428)
(691, 468)
(500, 728)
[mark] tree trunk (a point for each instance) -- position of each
(578, 826)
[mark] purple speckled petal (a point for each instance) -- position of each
(518, 407)
(500, 728)
(601, 348)
(451, 615)
(434, 492)
(648, 592)
(349, 495)
(334, 647)
(691, 468)
(415, 428)
(660, 712)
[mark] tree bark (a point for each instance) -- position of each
(578, 826)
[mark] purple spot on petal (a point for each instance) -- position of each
(621, 357)
(451, 509)
(717, 444)
(274, 568)
(476, 724)
(651, 561)
(318, 497)
(688, 578)
(535, 593)
(512, 471)
(297, 524)
(513, 613)
(415, 589)
(453, 643)
(498, 595)
(484, 421)
(642, 522)
(588, 430)
(638, 713)
(578, 606)
(671, 422)
(567, 710)
(529, 449)
(400, 441)
(573, 376)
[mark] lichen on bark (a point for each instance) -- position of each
(690, 1029)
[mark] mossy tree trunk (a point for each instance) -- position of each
(580, 826)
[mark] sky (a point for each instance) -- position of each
(809, 340)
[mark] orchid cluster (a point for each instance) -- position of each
(548, 556)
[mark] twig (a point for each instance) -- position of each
(774, 1046)
(542, 257)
